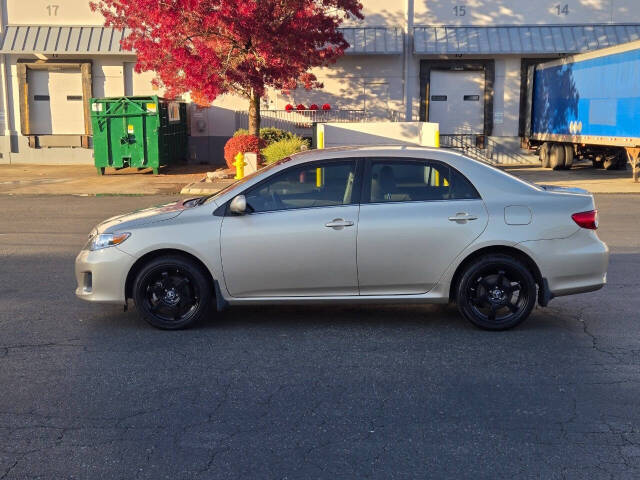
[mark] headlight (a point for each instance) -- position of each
(105, 240)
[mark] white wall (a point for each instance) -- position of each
(625, 11)
(51, 12)
(381, 12)
(517, 12)
(352, 83)
(506, 99)
(107, 77)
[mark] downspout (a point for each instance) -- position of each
(408, 57)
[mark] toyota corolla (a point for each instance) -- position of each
(361, 224)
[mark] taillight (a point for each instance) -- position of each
(586, 219)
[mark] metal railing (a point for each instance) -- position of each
(300, 122)
(485, 149)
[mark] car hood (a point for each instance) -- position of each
(144, 216)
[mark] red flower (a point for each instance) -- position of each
(301, 107)
(326, 106)
(313, 106)
(289, 107)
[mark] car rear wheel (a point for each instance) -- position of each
(172, 292)
(496, 292)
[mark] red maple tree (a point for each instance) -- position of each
(212, 47)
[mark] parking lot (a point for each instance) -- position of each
(389, 392)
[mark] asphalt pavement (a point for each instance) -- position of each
(385, 392)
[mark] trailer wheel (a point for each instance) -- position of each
(568, 155)
(556, 156)
(543, 153)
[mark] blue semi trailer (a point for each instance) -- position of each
(588, 107)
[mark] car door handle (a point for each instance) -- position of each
(462, 217)
(338, 223)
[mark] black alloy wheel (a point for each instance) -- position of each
(496, 292)
(172, 292)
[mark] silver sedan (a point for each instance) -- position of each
(361, 224)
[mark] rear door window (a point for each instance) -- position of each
(415, 181)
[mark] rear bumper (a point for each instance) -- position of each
(101, 275)
(576, 264)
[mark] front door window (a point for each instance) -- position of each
(325, 184)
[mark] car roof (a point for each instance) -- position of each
(364, 150)
(394, 152)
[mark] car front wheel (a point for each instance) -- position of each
(496, 292)
(172, 292)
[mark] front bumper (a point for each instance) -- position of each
(101, 275)
(576, 264)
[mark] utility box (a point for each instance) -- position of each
(139, 132)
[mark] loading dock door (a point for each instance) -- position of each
(55, 102)
(456, 101)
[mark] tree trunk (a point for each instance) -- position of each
(254, 114)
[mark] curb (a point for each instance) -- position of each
(202, 188)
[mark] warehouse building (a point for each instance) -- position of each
(462, 63)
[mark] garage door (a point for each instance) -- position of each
(55, 102)
(457, 102)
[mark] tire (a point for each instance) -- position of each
(172, 292)
(556, 156)
(543, 153)
(568, 155)
(496, 292)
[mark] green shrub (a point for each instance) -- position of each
(273, 135)
(283, 148)
(268, 134)
(241, 131)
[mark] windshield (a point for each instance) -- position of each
(243, 180)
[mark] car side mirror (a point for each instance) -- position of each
(238, 205)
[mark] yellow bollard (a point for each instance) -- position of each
(239, 164)
(436, 140)
(321, 139)
(319, 177)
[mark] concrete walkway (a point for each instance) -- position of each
(581, 176)
(84, 180)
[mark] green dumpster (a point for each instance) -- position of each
(142, 132)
